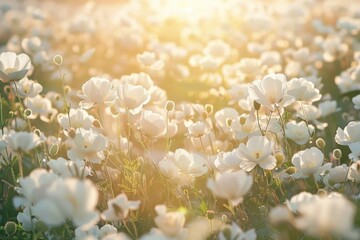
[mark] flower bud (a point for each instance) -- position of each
(290, 170)
(320, 143)
(210, 214)
(337, 153)
(242, 120)
(209, 109)
(322, 193)
(229, 122)
(113, 111)
(67, 89)
(27, 113)
(72, 132)
(224, 218)
(10, 228)
(58, 60)
(257, 106)
(280, 158)
(54, 149)
(170, 105)
(96, 123)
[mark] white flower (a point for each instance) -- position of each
(170, 223)
(91, 233)
(346, 83)
(257, 151)
(231, 186)
(303, 90)
(41, 106)
(131, 97)
(76, 118)
(333, 48)
(34, 186)
(336, 175)
(237, 233)
(24, 141)
(27, 88)
(76, 199)
(271, 92)
(223, 115)
(250, 66)
(138, 79)
(354, 172)
(26, 220)
(217, 49)
(308, 162)
(350, 134)
(13, 67)
(280, 214)
(152, 124)
(183, 167)
(356, 101)
(311, 113)
(197, 129)
(116, 236)
(65, 168)
(226, 161)
(327, 216)
(299, 132)
(47, 211)
(97, 91)
(328, 107)
(32, 45)
(118, 208)
(148, 59)
(87, 145)
(245, 129)
(297, 200)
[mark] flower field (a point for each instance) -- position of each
(180, 119)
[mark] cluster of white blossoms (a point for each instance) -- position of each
(175, 119)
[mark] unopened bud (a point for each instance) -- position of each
(210, 214)
(113, 110)
(10, 228)
(53, 150)
(337, 153)
(209, 109)
(257, 106)
(280, 158)
(320, 143)
(322, 193)
(58, 60)
(67, 89)
(229, 122)
(170, 105)
(72, 132)
(96, 123)
(290, 170)
(224, 218)
(242, 120)
(27, 113)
